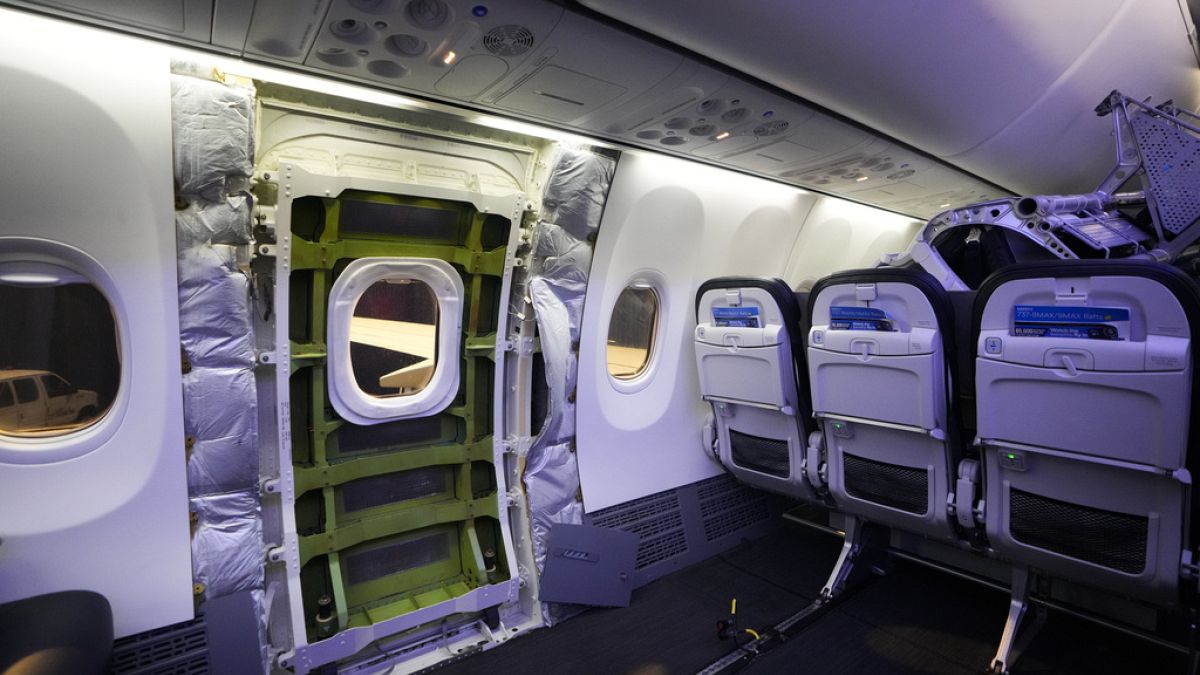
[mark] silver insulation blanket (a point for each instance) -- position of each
(213, 132)
(573, 203)
(214, 135)
(218, 412)
(227, 543)
(226, 221)
(576, 190)
(214, 308)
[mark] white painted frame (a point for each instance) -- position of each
(348, 399)
(655, 282)
(56, 264)
(512, 595)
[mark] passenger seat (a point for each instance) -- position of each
(880, 363)
(1084, 386)
(747, 340)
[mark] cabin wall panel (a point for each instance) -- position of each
(840, 235)
(671, 224)
(87, 164)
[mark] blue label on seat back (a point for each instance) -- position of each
(1086, 323)
(848, 313)
(736, 317)
(859, 318)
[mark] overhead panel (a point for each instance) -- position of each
(561, 94)
(582, 67)
(730, 116)
(997, 87)
(539, 60)
(282, 30)
(186, 19)
(777, 156)
(448, 49)
(688, 85)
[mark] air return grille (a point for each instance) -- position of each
(899, 487)
(627, 516)
(765, 455)
(657, 519)
(727, 506)
(509, 40)
(179, 649)
(399, 557)
(1114, 540)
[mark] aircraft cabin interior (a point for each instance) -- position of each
(599, 337)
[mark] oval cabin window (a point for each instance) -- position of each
(393, 337)
(59, 363)
(631, 332)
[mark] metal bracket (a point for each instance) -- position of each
(516, 445)
(276, 554)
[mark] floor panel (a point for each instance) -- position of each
(914, 620)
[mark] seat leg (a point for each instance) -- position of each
(1193, 664)
(864, 544)
(1018, 605)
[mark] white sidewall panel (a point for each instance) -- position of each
(840, 235)
(673, 225)
(85, 127)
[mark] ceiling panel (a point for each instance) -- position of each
(990, 84)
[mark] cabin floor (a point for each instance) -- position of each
(913, 620)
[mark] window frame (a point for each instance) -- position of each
(12, 395)
(350, 401)
(33, 262)
(656, 283)
(650, 344)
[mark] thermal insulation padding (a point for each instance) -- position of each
(214, 308)
(214, 135)
(227, 551)
(572, 205)
(213, 143)
(226, 221)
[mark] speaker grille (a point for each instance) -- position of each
(899, 487)
(765, 455)
(508, 40)
(1114, 540)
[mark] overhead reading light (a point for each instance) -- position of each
(942, 206)
(861, 178)
(723, 135)
(457, 43)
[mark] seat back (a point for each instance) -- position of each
(1083, 381)
(747, 337)
(880, 374)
